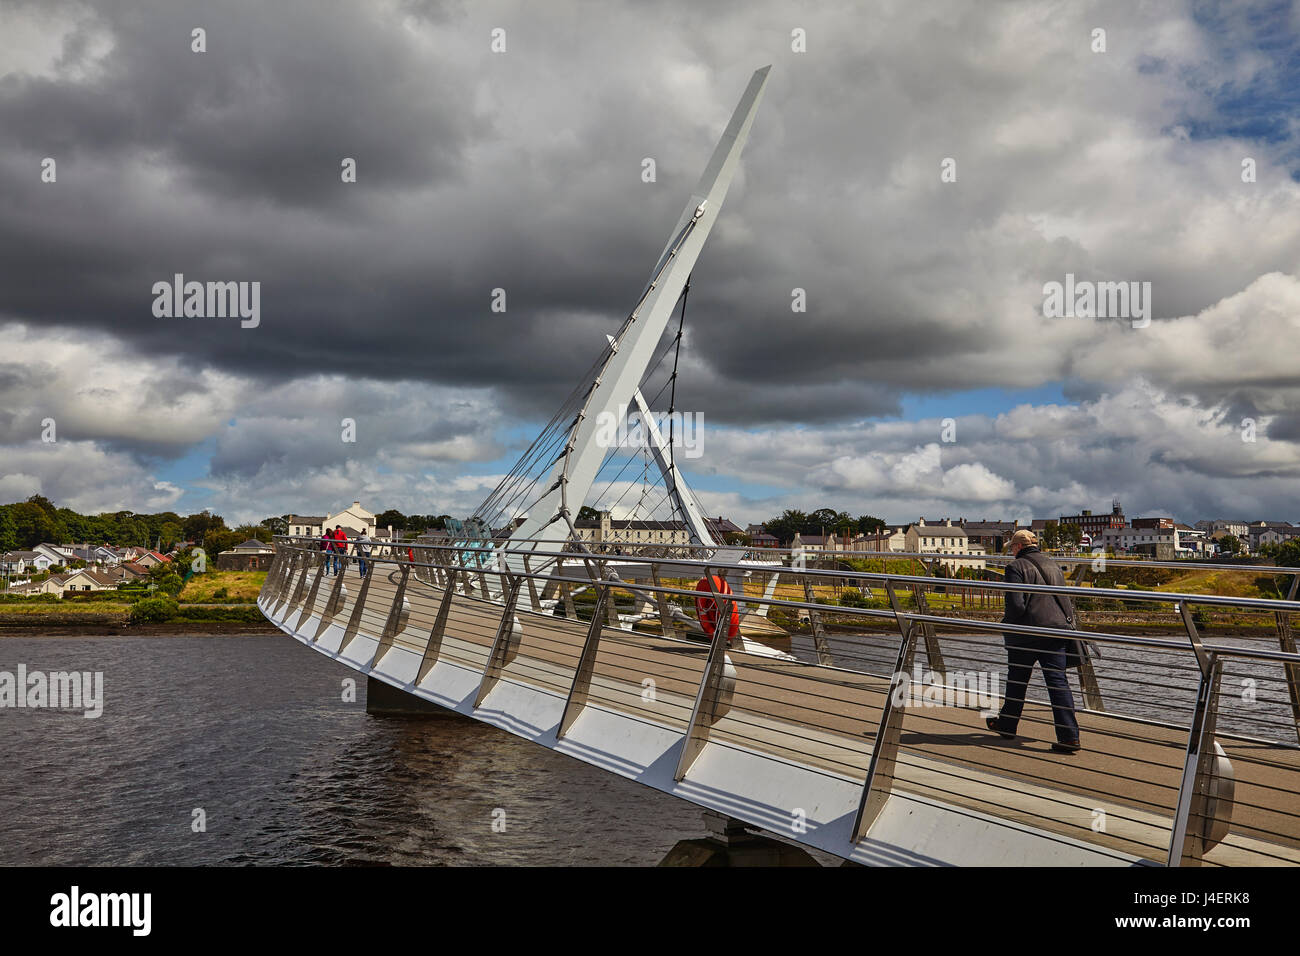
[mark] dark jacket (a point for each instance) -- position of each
(1036, 610)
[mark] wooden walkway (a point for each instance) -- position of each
(1118, 793)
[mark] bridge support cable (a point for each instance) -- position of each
(884, 751)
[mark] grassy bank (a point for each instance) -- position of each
(218, 601)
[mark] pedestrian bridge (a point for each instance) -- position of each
(805, 728)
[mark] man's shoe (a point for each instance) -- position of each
(1069, 748)
(994, 724)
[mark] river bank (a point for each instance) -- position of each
(118, 629)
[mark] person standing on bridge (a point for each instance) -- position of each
(708, 612)
(1031, 566)
(327, 545)
(340, 548)
(363, 551)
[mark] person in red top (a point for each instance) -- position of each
(708, 613)
(340, 548)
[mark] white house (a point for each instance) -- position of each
(353, 519)
(19, 562)
(944, 538)
(85, 579)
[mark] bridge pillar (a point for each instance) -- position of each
(729, 843)
(385, 700)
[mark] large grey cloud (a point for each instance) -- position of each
(522, 170)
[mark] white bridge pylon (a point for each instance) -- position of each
(551, 517)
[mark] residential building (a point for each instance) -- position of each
(890, 539)
(20, 562)
(1093, 525)
(353, 519)
(993, 536)
(607, 530)
(252, 555)
(946, 538)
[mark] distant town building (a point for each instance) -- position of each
(944, 538)
(252, 555)
(607, 530)
(354, 519)
(1093, 525)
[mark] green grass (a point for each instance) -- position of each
(241, 587)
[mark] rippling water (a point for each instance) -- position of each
(254, 731)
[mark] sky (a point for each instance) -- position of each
(926, 376)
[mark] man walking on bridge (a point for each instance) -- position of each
(1031, 566)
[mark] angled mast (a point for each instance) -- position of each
(552, 516)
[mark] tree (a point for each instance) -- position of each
(391, 517)
(255, 531)
(787, 525)
(8, 531)
(171, 534)
(1288, 553)
(198, 525)
(1071, 535)
(277, 525)
(870, 524)
(588, 513)
(34, 524)
(1051, 536)
(1230, 544)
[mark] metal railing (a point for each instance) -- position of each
(1164, 687)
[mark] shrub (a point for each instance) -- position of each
(154, 610)
(852, 597)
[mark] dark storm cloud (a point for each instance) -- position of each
(522, 171)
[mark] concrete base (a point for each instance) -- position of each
(385, 700)
(731, 844)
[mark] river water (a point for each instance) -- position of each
(254, 733)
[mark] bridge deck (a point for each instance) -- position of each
(824, 718)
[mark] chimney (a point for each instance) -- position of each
(356, 504)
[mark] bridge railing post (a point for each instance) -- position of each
(291, 559)
(500, 652)
(1191, 816)
(301, 584)
(310, 602)
(580, 689)
(354, 619)
(820, 643)
(933, 655)
(397, 615)
(1286, 640)
(331, 607)
(709, 695)
(884, 751)
(532, 586)
(665, 615)
(433, 647)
